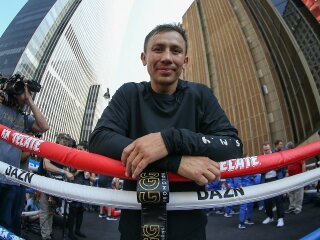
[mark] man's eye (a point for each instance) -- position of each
(177, 51)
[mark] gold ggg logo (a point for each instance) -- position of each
(151, 232)
(149, 197)
(149, 182)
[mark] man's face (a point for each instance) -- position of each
(21, 99)
(279, 146)
(267, 149)
(165, 57)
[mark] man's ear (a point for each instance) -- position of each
(143, 58)
(185, 62)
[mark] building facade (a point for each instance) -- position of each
(59, 43)
(90, 118)
(292, 36)
(230, 53)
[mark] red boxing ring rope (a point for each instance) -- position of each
(107, 166)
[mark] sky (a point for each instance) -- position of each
(9, 9)
(129, 21)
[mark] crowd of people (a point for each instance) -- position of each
(166, 124)
(15, 101)
(273, 206)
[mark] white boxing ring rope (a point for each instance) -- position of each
(178, 200)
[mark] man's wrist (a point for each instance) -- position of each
(167, 136)
(62, 172)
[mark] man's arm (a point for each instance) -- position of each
(41, 124)
(218, 146)
(47, 165)
(217, 140)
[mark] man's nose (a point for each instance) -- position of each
(166, 56)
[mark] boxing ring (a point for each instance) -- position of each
(178, 200)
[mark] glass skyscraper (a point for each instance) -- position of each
(59, 43)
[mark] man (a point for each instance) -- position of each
(278, 146)
(296, 196)
(246, 208)
(12, 115)
(48, 203)
(166, 124)
(271, 176)
(76, 209)
(106, 182)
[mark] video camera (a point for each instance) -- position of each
(15, 86)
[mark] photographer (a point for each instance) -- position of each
(15, 95)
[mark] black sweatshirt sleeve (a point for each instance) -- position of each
(109, 136)
(216, 147)
(217, 138)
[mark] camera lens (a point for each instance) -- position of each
(18, 87)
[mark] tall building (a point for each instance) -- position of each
(292, 35)
(230, 51)
(59, 43)
(90, 117)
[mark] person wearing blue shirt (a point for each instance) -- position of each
(12, 116)
(246, 208)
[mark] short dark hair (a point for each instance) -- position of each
(84, 144)
(277, 142)
(66, 138)
(170, 27)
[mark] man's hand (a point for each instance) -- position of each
(143, 151)
(199, 169)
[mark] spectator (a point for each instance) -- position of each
(271, 176)
(231, 183)
(257, 180)
(296, 196)
(17, 97)
(278, 146)
(166, 124)
(76, 209)
(32, 204)
(211, 186)
(106, 182)
(48, 203)
(246, 208)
